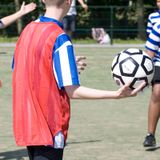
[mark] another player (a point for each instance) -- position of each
(100, 35)
(6, 21)
(69, 21)
(25, 9)
(45, 77)
(153, 18)
(153, 49)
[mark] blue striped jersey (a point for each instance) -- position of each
(152, 19)
(64, 63)
(153, 43)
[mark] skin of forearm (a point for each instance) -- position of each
(10, 19)
(150, 53)
(80, 92)
(81, 2)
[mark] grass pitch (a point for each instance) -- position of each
(99, 129)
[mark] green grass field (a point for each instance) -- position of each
(99, 129)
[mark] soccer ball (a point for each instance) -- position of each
(132, 66)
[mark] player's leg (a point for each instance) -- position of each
(69, 24)
(44, 153)
(30, 150)
(154, 110)
(66, 23)
(72, 25)
(0, 83)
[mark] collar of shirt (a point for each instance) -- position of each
(47, 19)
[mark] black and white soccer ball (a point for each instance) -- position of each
(132, 66)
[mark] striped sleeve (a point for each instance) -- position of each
(64, 64)
(153, 41)
(149, 26)
(152, 20)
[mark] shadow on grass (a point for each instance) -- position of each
(151, 149)
(16, 155)
(20, 154)
(91, 141)
(3, 53)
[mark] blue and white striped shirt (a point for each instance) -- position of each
(65, 68)
(152, 19)
(64, 64)
(153, 43)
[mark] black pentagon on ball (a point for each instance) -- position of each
(133, 53)
(143, 66)
(138, 79)
(117, 60)
(134, 70)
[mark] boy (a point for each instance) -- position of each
(152, 46)
(153, 50)
(45, 76)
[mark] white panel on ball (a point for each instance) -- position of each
(132, 66)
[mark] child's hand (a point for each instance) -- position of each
(80, 63)
(0, 83)
(85, 7)
(27, 8)
(125, 91)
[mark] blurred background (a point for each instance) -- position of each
(121, 19)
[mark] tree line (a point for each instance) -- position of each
(131, 11)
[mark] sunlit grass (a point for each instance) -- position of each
(99, 129)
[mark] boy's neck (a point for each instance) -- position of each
(54, 13)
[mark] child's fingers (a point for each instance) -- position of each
(139, 88)
(23, 3)
(79, 58)
(0, 83)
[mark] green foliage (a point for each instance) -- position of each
(83, 17)
(120, 2)
(109, 14)
(90, 2)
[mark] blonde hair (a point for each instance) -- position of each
(54, 2)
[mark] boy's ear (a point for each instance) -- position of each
(44, 1)
(69, 1)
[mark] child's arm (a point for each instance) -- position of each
(25, 9)
(80, 92)
(83, 5)
(0, 83)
